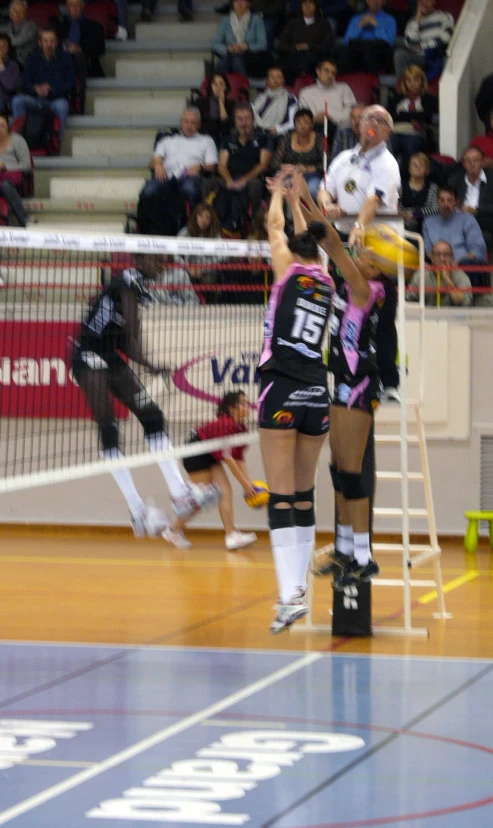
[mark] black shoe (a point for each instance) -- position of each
(356, 573)
(185, 17)
(336, 565)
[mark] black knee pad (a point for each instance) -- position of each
(304, 517)
(335, 478)
(280, 518)
(353, 485)
(110, 436)
(151, 419)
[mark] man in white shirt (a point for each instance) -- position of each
(177, 164)
(339, 97)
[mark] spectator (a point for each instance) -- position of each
(475, 191)
(485, 142)
(274, 109)
(412, 112)
(369, 41)
(240, 41)
(304, 40)
(48, 80)
(244, 157)
(259, 225)
(15, 160)
(426, 36)
(23, 33)
(216, 109)
(338, 97)
(10, 75)
(347, 137)
(272, 13)
(177, 164)
(460, 230)
(174, 284)
(302, 148)
(418, 195)
(84, 39)
(455, 284)
(202, 224)
(484, 101)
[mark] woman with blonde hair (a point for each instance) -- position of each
(412, 111)
(202, 224)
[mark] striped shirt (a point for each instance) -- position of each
(432, 32)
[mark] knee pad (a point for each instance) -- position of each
(304, 517)
(353, 485)
(110, 436)
(151, 419)
(280, 518)
(335, 478)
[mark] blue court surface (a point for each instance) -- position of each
(129, 736)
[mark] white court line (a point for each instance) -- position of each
(152, 741)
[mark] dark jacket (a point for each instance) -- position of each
(484, 100)
(319, 36)
(10, 79)
(58, 72)
(91, 42)
(214, 126)
(424, 117)
(484, 216)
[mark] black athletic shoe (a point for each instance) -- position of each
(356, 573)
(336, 565)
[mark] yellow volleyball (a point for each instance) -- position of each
(388, 248)
(261, 496)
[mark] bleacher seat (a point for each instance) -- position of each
(300, 83)
(366, 88)
(54, 145)
(104, 12)
(43, 14)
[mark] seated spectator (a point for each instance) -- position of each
(485, 142)
(304, 40)
(303, 149)
(460, 230)
(84, 39)
(177, 164)
(369, 41)
(49, 78)
(338, 97)
(484, 101)
(10, 74)
(274, 109)
(442, 286)
(23, 33)
(216, 110)
(347, 137)
(241, 42)
(15, 160)
(174, 285)
(244, 158)
(259, 225)
(418, 195)
(412, 111)
(272, 13)
(338, 13)
(427, 36)
(202, 224)
(475, 191)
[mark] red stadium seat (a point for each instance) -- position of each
(452, 6)
(43, 14)
(300, 83)
(104, 12)
(37, 152)
(365, 87)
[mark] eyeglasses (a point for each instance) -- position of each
(376, 120)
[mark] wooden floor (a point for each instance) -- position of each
(84, 586)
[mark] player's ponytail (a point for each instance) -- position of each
(305, 244)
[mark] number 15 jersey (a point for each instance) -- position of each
(295, 324)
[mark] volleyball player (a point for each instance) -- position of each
(111, 331)
(357, 393)
(211, 468)
(294, 402)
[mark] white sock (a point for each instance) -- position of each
(362, 551)
(344, 539)
(305, 539)
(124, 480)
(170, 468)
(285, 551)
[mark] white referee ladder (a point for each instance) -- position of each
(412, 555)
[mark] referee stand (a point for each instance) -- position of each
(352, 608)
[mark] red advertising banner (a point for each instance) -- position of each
(35, 372)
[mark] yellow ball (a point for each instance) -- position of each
(261, 498)
(388, 248)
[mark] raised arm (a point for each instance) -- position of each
(280, 252)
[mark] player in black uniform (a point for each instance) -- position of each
(294, 402)
(112, 329)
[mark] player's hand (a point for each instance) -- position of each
(333, 212)
(357, 238)
(249, 489)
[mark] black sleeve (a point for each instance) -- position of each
(484, 99)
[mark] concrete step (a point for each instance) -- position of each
(41, 207)
(190, 71)
(85, 146)
(123, 186)
(77, 225)
(135, 104)
(152, 50)
(201, 32)
(104, 164)
(76, 123)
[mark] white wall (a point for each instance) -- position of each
(470, 61)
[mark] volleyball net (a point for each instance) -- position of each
(204, 324)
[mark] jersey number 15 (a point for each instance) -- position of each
(307, 326)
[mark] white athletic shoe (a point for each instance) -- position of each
(176, 537)
(237, 540)
(198, 496)
(390, 395)
(138, 519)
(156, 521)
(121, 33)
(287, 614)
